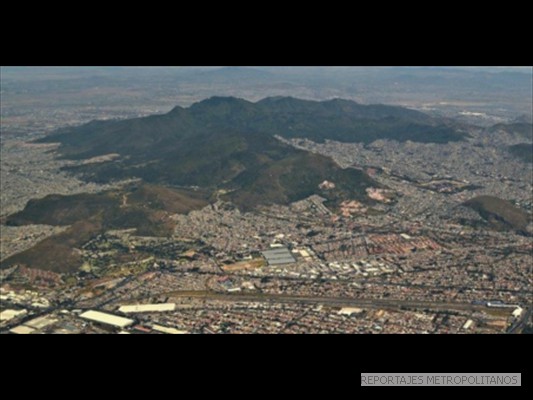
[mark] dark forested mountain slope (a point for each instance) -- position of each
(225, 142)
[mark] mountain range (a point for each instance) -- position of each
(220, 148)
(229, 144)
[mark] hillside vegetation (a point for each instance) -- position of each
(500, 214)
(146, 208)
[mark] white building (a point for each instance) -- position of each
(106, 319)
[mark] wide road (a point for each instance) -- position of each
(332, 301)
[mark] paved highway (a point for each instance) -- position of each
(332, 301)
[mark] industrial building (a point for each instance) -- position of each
(106, 319)
(7, 315)
(22, 330)
(350, 311)
(468, 324)
(41, 322)
(278, 256)
(140, 308)
(166, 329)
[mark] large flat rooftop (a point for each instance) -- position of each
(278, 256)
(140, 308)
(108, 319)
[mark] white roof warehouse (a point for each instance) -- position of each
(107, 319)
(140, 308)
